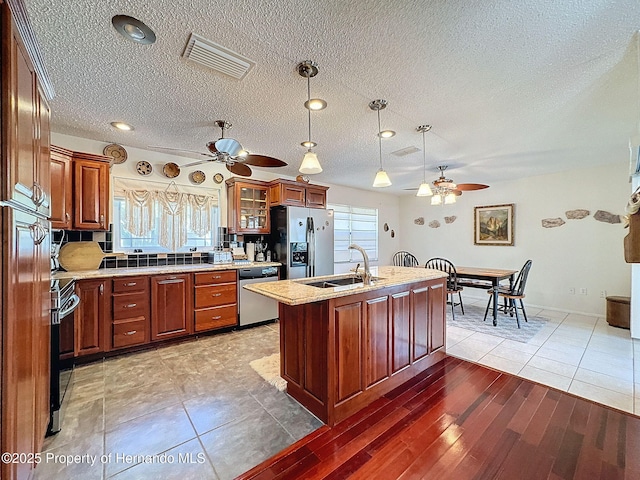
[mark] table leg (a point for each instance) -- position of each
(495, 302)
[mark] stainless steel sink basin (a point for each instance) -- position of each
(338, 282)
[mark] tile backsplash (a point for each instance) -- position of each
(133, 260)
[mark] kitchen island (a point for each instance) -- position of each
(343, 347)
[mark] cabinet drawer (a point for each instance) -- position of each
(207, 278)
(215, 295)
(216, 317)
(130, 305)
(130, 284)
(133, 332)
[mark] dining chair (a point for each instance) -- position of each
(511, 294)
(404, 259)
(446, 266)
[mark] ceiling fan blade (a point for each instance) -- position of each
(466, 187)
(457, 193)
(182, 152)
(198, 163)
(263, 161)
(239, 169)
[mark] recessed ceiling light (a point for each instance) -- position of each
(315, 104)
(387, 133)
(122, 126)
(133, 29)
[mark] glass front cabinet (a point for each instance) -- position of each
(248, 206)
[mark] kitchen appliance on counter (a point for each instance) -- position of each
(220, 257)
(64, 301)
(302, 239)
(253, 307)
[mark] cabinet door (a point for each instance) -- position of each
(44, 158)
(91, 184)
(61, 191)
(293, 195)
(248, 207)
(316, 197)
(170, 306)
(90, 317)
(437, 313)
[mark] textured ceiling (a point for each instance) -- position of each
(511, 88)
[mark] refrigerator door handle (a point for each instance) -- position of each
(311, 247)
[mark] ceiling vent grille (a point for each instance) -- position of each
(405, 151)
(216, 57)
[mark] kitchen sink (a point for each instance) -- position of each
(339, 282)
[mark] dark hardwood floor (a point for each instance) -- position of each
(458, 420)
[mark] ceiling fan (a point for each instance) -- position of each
(445, 190)
(230, 152)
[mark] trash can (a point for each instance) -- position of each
(619, 311)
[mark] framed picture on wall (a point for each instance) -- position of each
(493, 225)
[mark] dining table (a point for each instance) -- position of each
(486, 278)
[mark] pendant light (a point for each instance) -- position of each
(382, 179)
(310, 164)
(424, 190)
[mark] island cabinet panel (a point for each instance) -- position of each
(401, 331)
(348, 350)
(341, 354)
(377, 340)
(170, 302)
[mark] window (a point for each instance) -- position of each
(357, 225)
(123, 240)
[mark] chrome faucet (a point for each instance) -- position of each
(366, 277)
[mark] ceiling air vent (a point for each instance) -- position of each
(216, 57)
(405, 151)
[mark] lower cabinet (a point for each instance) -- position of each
(130, 308)
(215, 300)
(90, 318)
(170, 303)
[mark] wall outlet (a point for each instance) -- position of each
(603, 294)
(583, 291)
(572, 291)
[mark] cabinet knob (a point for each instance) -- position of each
(102, 220)
(131, 284)
(67, 216)
(216, 294)
(131, 305)
(132, 332)
(217, 317)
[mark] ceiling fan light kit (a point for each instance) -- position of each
(382, 179)
(310, 164)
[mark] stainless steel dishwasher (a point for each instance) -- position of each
(255, 308)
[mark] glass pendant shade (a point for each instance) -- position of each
(310, 164)
(436, 199)
(382, 179)
(450, 198)
(424, 190)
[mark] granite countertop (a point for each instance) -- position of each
(128, 272)
(295, 292)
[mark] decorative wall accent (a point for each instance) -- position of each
(606, 217)
(577, 214)
(385, 227)
(419, 221)
(493, 225)
(450, 219)
(552, 222)
(434, 224)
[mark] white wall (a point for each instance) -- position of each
(579, 254)
(387, 205)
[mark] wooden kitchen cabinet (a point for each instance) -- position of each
(131, 312)
(215, 300)
(80, 190)
(171, 305)
(247, 206)
(92, 317)
(297, 194)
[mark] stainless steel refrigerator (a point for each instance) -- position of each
(302, 239)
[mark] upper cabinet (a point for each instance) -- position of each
(80, 190)
(297, 194)
(247, 206)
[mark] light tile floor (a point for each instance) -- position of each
(579, 354)
(196, 408)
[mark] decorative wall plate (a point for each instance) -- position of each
(171, 170)
(198, 176)
(144, 168)
(218, 178)
(115, 151)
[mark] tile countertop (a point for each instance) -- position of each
(295, 292)
(128, 272)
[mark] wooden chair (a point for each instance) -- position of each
(446, 266)
(510, 295)
(404, 259)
